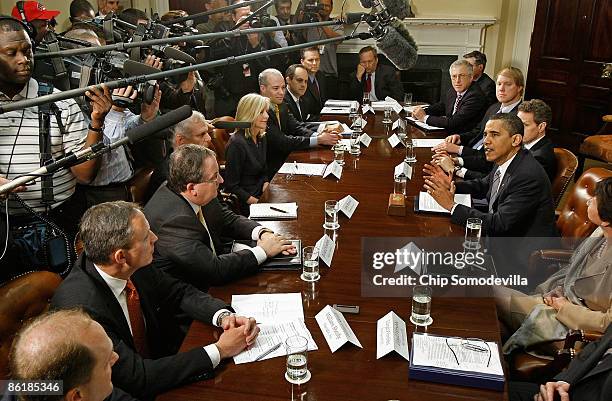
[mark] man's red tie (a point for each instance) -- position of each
(139, 332)
(368, 83)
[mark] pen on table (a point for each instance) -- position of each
(278, 210)
(268, 352)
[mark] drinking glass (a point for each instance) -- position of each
(421, 305)
(297, 360)
(387, 117)
(353, 111)
(473, 229)
(310, 264)
(407, 99)
(355, 143)
(331, 215)
(366, 99)
(339, 153)
(410, 154)
(399, 184)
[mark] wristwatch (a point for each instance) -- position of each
(265, 230)
(222, 316)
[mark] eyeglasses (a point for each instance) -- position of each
(459, 77)
(470, 344)
(215, 178)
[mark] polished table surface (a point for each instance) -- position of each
(351, 373)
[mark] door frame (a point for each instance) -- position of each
(525, 22)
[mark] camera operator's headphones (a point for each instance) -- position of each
(29, 28)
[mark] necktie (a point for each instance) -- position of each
(299, 107)
(368, 83)
(494, 189)
(203, 221)
(277, 112)
(459, 97)
(139, 332)
(315, 88)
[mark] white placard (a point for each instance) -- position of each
(391, 336)
(348, 204)
(396, 124)
(326, 247)
(334, 169)
(365, 139)
(363, 122)
(426, 143)
(335, 329)
(269, 308)
(403, 168)
(366, 109)
(394, 140)
(397, 108)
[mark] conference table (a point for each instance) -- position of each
(351, 373)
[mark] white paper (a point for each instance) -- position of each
(396, 124)
(428, 204)
(335, 110)
(345, 143)
(326, 247)
(274, 334)
(303, 168)
(412, 108)
(403, 168)
(269, 308)
(397, 108)
(426, 143)
(365, 139)
(265, 211)
(341, 103)
(433, 351)
(365, 109)
(334, 169)
(391, 336)
(363, 122)
(424, 125)
(335, 329)
(348, 204)
(394, 140)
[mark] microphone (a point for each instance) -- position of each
(396, 43)
(400, 9)
(179, 55)
(73, 158)
(231, 124)
(133, 68)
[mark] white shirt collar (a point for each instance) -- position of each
(115, 284)
(295, 98)
(462, 93)
(508, 108)
(530, 145)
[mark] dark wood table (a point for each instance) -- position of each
(351, 373)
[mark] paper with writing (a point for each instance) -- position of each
(335, 110)
(426, 143)
(394, 140)
(334, 169)
(424, 125)
(326, 247)
(366, 109)
(397, 108)
(348, 204)
(335, 328)
(303, 168)
(428, 204)
(391, 336)
(269, 308)
(405, 169)
(365, 139)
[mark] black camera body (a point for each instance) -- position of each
(311, 11)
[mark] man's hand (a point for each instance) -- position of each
(231, 342)
(447, 147)
(327, 138)
(275, 244)
(3, 181)
(419, 113)
(265, 186)
(435, 173)
(154, 62)
(101, 103)
(248, 325)
(187, 85)
(360, 71)
(127, 92)
(443, 195)
(455, 138)
(556, 302)
(149, 111)
(548, 391)
(447, 164)
(252, 200)
(290, 251)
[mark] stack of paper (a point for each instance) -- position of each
(273, 211)
(447, 360)
(424, 126)
(309, 169)
(341, 103)
(335, 110)
(426, 143)
(426, 203)
(381, 105)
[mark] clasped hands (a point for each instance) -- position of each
(439, 185)
(239, 333)
(273, 244)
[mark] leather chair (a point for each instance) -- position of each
(597, 147)
(219, 140)
(139, 184)
(22, 298)
(567, 163)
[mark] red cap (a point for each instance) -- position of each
(34, 10)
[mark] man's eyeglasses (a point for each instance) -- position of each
(214, 178)
(459, 77)
(470, 344)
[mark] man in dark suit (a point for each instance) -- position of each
(464, 106)
(285, 133)
(478, 60)
(139, 306)
(537, 116)
(517, 190)
(316, 93)
(193, 237)
(587, 378)
(377, 79)
(296, 77)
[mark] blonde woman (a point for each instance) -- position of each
(245, 153)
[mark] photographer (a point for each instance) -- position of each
(312, 12)
(23, 133)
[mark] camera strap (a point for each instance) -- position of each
(44, 124)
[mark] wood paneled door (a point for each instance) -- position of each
(570, 46)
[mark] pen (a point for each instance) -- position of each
(278, 210)
(268, 352)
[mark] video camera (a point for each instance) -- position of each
(311, 10)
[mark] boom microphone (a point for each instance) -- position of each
(396, 43)
(133, 68)
(352, 18)
(179, 55)
(400, 9)
(158, 124)
(231, 124)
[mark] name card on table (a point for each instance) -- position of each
(335, 329)
(394, 140)
(363, 122)
(348, 204)
(366, 109)
(391, 336)
(403, 168)
(326, 247)
(365, 139)
(334, 169)
(397, 108)
(399, 123)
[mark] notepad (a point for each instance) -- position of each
(341, 103)
(426, 203)
(424, 126)
(272, 211)
(335, 110)
(296, 168)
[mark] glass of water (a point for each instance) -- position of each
(407, 141)
(331, 215)
(339, 153)
(473, 229)
(355, 143)
(387, 118)
(353, 111)
(407, 99)
(421, 305)
(366, 99)
(297, 360)
(310, 264)
(399, 184)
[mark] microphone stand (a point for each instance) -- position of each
(22, 104)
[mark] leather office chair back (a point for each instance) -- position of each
(22, 298)
(573, 221)
(567, 163)
(219, 140)
(139, 184)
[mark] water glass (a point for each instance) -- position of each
(473, 229)
(297, 360)
(366, 99)
(421, 305)
(310, 264)
(353, 111)
(357, 125)
(399, 184)
(407, 99)
(410, 154)
(339, 154)
(331, 215)
(387, 118)
(355, 143)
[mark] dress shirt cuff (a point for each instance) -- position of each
(314, 141)
(460, 159)
(425, 119)
(216, 315)
(260, 254)
(453, 208)
(460, 153)
(213, 354)
(257, 232)
(461, 172)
